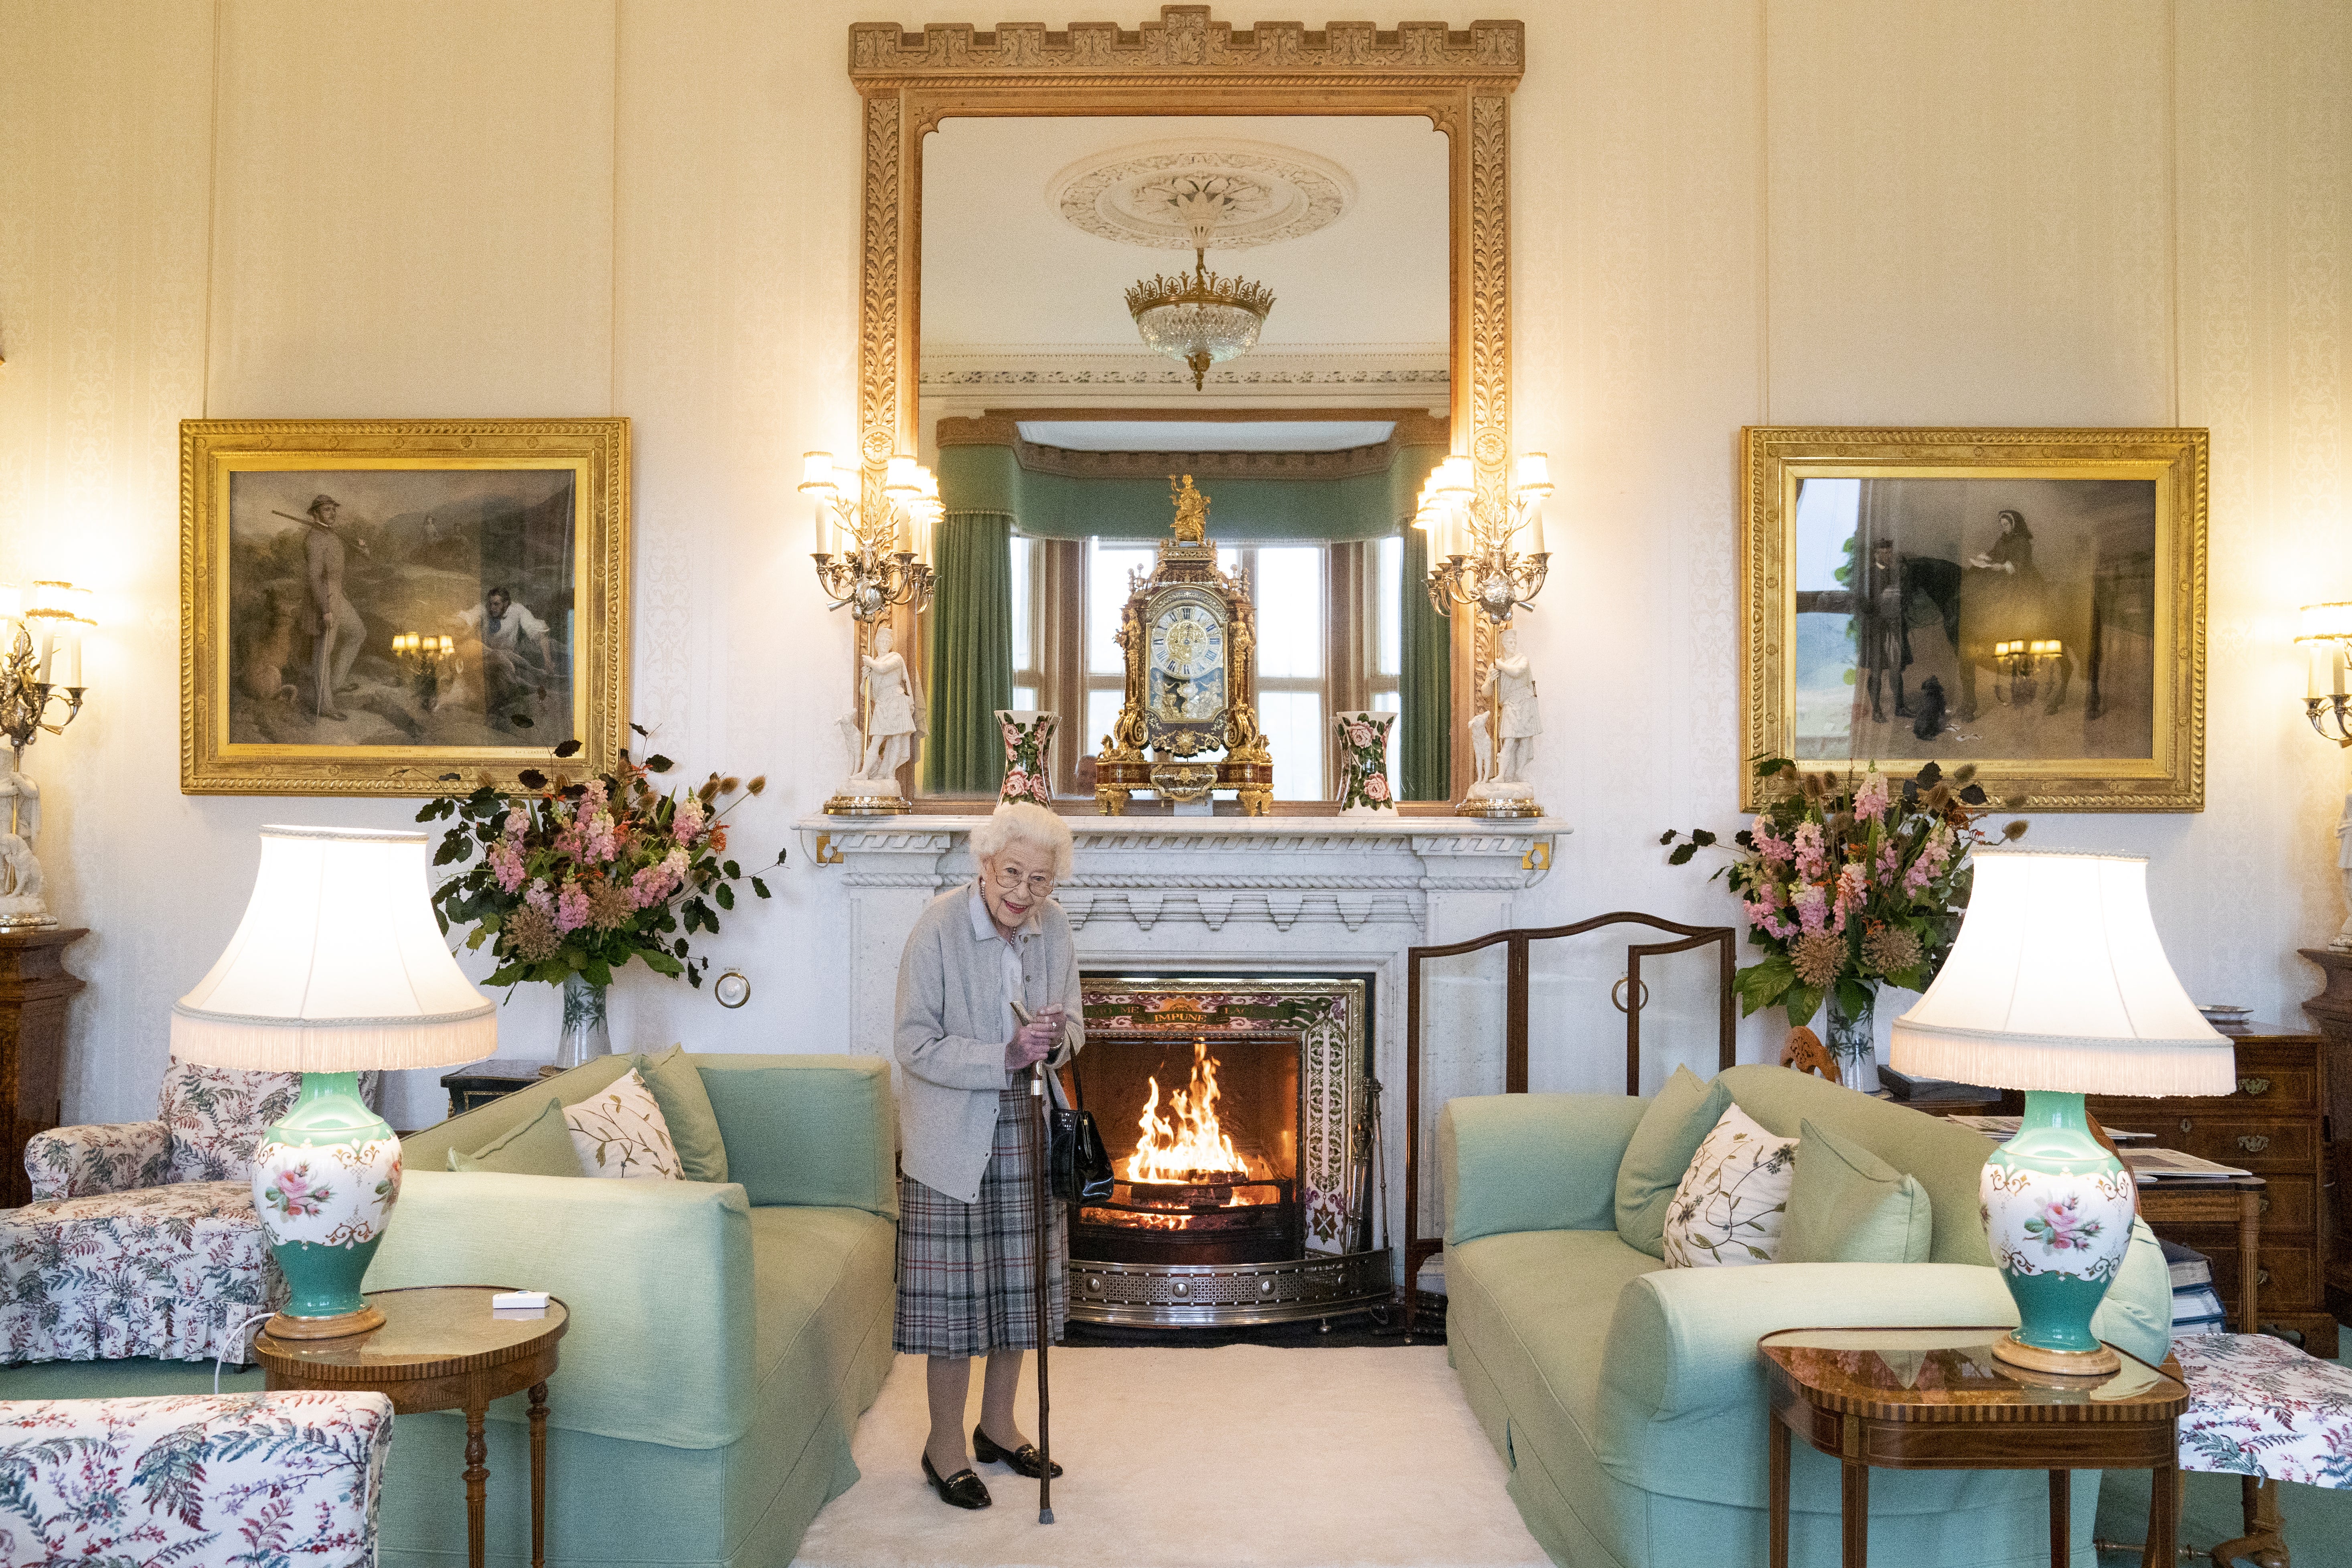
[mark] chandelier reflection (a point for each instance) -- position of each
(2024, 664)
(1199, 320)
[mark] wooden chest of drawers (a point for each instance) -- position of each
(2275, 1126)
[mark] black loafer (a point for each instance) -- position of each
(1023, 1460)
(963, 1490)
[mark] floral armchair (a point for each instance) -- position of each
(288, 1479)
(141, 1238)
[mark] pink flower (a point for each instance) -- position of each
(687, 827)
(1376, 787)
(506, 864)
(603, 842)
(1870, 802)
(1770, 846)
(1040, 791)
(1016, 782)
(571, 908)
(1853, 887)
(541, 896)
(1812, 906)
(1359, 735)
(1811, 855)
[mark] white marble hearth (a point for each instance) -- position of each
(1210, 896)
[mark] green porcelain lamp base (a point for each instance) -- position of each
(325, 1177)
(2058, 1216)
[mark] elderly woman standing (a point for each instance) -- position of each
(969, 1228)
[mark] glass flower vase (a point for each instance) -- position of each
(586, 1033)
(1852, 1042)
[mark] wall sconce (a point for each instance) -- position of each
(40, 665)
(2328, 637)
(871, 557)
(2023, 663)
(1476, 561)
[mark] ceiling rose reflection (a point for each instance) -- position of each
(1203, 320)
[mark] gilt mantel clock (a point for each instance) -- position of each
(1190, 637)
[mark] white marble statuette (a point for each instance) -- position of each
(1500, 762)
(21, 903)
(894, 721)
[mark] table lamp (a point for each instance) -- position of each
(337, 966)
(2059, 986)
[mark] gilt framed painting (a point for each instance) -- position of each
(2030, 600)
(370, 606)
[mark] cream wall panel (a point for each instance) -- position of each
(1970, 219)
(414, 214)
(103, 188)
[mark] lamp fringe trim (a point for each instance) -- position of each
(2127, 1067)
(390, 1045)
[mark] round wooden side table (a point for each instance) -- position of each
(1935, 1399)
(442, 1348)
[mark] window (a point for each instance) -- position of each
(1329, 639)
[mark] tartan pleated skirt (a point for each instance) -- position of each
(968, 1272)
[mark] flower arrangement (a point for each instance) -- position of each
(1851, 883)
(579, 877)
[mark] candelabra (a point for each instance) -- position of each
(2327, 632)
(424, 659)
(41, 667)
(873, 556)
(1473, 562)
(2022, 664)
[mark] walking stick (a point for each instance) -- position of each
(1041, 1190)
(1045, 1306)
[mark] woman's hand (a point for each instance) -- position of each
(1031, 1042)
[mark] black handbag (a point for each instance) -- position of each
(1078, 1166)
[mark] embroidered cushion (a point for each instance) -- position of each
(216, 1116)
(1658, 1154)
(677, 1085)
(1729, 1206)
(1848, 1206)
(540, 1147)
(619, 1132)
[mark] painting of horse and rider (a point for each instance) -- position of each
(2035, 617)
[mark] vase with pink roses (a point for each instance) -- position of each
(572, 879)
(1851, 882)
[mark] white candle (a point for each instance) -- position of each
(2335, 665)
(68, 659)
(1535, 526)
(817, 547)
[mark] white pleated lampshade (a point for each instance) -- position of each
(2058, 982)
(338, 966)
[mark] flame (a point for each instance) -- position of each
(1187, 1144)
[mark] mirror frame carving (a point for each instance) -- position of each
(1188, 64)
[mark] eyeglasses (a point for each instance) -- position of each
(1038, 883)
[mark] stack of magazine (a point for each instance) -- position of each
(2146, 1164)
(2196, 1306)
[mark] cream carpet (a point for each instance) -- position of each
(1245, 1457)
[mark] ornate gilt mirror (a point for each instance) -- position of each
(1071, 238)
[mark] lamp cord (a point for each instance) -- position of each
(234, 1335)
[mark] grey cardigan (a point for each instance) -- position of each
(952, 1026)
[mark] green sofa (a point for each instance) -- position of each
(723, 1338)
(1627, 1398)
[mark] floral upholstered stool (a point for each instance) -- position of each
(2261, 1409)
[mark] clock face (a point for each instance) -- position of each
(1187, 664)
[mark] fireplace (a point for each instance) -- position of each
(1238, 1113)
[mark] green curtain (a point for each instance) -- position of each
(972, 653)
(1427, 682)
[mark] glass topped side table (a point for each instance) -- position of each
(1935, 1399)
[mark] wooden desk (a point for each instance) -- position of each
(440, 1348)
(2169, 1206)
(482, 1082)
(1935, 1399)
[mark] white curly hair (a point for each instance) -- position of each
(1020, 822)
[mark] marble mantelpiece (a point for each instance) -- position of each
(1209, 895)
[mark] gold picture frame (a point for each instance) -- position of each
(2061, 586)
(297, 674)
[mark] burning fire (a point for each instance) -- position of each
(1187, 1145)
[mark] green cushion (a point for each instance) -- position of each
(1672, 1129)
(1848, 1206)
(685, 1104)
(540, 1147)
